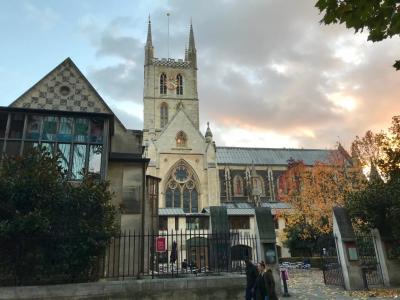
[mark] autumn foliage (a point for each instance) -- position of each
(314, 190)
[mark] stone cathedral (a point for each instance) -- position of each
(196, 174)
(179, 153)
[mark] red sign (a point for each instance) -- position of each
(161, 244)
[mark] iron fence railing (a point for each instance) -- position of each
(187, 253)
(44, 260)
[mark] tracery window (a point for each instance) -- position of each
(163, 114)
(179, 84)
(182, 190)
(238, 185)
(163, 84)
(181, 139)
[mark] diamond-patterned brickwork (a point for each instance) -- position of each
(66, 89)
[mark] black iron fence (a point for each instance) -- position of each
(177, 254)
(370, 267)
(44, 260)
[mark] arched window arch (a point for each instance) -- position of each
(181, 139)
(258, 185)
(182, 189)
(238, 185)
(163, 84)
(179, 84)
(163, 114)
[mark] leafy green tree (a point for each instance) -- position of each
(51, 230)
(380, 17)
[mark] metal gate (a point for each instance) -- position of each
(371, 269)
(331, 267)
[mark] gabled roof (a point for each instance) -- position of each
(270, 156)
(175, 116)
(80, 95)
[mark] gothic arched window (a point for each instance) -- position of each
(179, 84)
(163, 114)
(182, 190)
(163, 83)
(181, 139)
(238, 185)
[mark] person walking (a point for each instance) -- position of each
(260, 290)
(251, 276)
(270, 285)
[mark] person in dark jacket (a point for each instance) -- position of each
(260, 291)
(251, 276)
(270, 285)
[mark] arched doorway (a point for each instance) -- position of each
(197, 252)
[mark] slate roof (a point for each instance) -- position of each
(169, 211)
(269, 156)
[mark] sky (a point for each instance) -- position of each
(269, 74)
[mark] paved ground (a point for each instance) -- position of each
(308, 284)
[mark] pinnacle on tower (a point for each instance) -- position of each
(149, 50)
(208, 134)
(192, 56)
(191, 38)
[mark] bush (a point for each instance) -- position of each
(51, 230)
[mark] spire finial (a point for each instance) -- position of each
(191, 37)
(149, 42)
(209, 134)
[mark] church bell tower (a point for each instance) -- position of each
(169, 85)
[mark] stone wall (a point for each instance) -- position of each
(206, 288)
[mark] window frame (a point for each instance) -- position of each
(179, 84)
(55, 142)
(163, 84)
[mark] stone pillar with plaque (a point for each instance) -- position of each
(266, 243)
(345, 240)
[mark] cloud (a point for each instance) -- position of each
(269, 73)
(46, 17)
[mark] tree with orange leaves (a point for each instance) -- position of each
(314, 190)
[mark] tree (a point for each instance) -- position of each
(51, 229)
(380, 17)
(378, 205)
(313, 191)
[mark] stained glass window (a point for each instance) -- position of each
(181, 139)
(96, 130)
(81, 130)
(78, 163)
(186, 200)
(168, 198)
(49, 128)
(33, 129)
(16, 126)
(177, 197)
(95, 159)
(182, 189)
(64, 152)
(194, 202)
(181, 173)
(65, 130)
